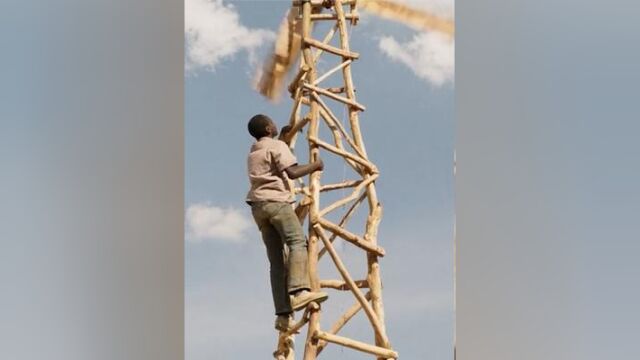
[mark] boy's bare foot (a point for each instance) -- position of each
(302, 298)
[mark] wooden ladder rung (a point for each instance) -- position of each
(329, 94)
(331, 49)
(317, 3)
(357, 345)
(342, 285)
(315, 17)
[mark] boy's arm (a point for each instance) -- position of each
(284, 134)
(296, 171)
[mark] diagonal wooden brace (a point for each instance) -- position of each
(350, 237)
(331, 49)
(373, 318)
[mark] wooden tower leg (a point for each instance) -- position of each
(310, 350)
(375, 209)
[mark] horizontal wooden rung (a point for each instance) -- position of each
(321, 2)
(331, 49)
(340, 152)
(356, 345)
(342, 320)
(342, 285)
(378, 327)
(336, 90)
(342, 185)
(333, 96)
(333, 16)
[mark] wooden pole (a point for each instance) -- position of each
(331, 71)
(342, 321)
(331, 49)
(310, 350)
(327, 93)
(317, 3)
(357, 345)
(326, 40)
(373, 319)
(342, 285)
(349, 198)
(331, 17)
(343, 221)
(372, 260)
(372, 168)
(342, 185)
(351, 237)
(328, 115)
(323, 114)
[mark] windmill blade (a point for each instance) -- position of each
(419, 19)
(269, 80)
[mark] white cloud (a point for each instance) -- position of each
(207, 222)
(213, 32)
(430, 55)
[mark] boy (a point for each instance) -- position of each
(270, 199)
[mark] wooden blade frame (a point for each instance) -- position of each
(309, 94)
(418, 19)
(285, 52)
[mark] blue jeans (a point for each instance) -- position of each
(279, 225)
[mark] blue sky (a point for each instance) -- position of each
(408, 130)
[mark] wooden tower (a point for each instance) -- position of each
(311, 110)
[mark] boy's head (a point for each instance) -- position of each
(261, 126)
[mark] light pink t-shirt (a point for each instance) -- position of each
(266, 164)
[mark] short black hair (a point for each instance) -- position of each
(258, 125)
